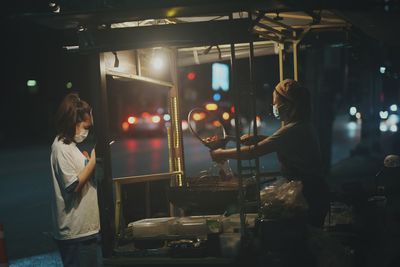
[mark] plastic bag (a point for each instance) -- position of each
(218, 171)
(282, 201)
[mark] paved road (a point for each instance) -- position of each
(25, 187)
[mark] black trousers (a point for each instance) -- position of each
(80, 253)
(317, 195)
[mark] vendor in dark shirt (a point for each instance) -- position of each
(296, 145)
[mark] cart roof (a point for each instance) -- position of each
(75, 13)
(111, 25)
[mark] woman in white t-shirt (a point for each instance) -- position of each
(75, 207)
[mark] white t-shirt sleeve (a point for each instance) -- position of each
(67, 171)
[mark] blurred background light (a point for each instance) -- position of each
(156, 119)
(185, 125)
(226, 116)
(125, 126)
(211, 106)
(166, 117)
(220, 77)
(31, 83)
(131, 120)
(383, 127)
(383, 114)
(393, 119)
(217, 97)
(191, 76)
(353, 111)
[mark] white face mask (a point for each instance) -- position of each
(275, 111)
(81, 136)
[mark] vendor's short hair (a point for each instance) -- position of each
(298, 96)
(72, 111)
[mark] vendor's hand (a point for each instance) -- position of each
(245, 137)
(216, 155)
(249, 139)
(211, 139)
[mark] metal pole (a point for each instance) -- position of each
(173, 182)
(280, 48)
(138, 63)
(179, 163)
(295, 69)
(295, 64)
(118, 208)
(103, 171)
(236, 91)
(254, 109)
(171, 155)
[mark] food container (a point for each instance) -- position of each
(152, 228)
(197, 226)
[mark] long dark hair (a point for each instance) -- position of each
(72, 111)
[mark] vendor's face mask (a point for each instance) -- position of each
(278, 111)
(275, 111)
(275, 107)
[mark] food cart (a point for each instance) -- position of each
(182, 29)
